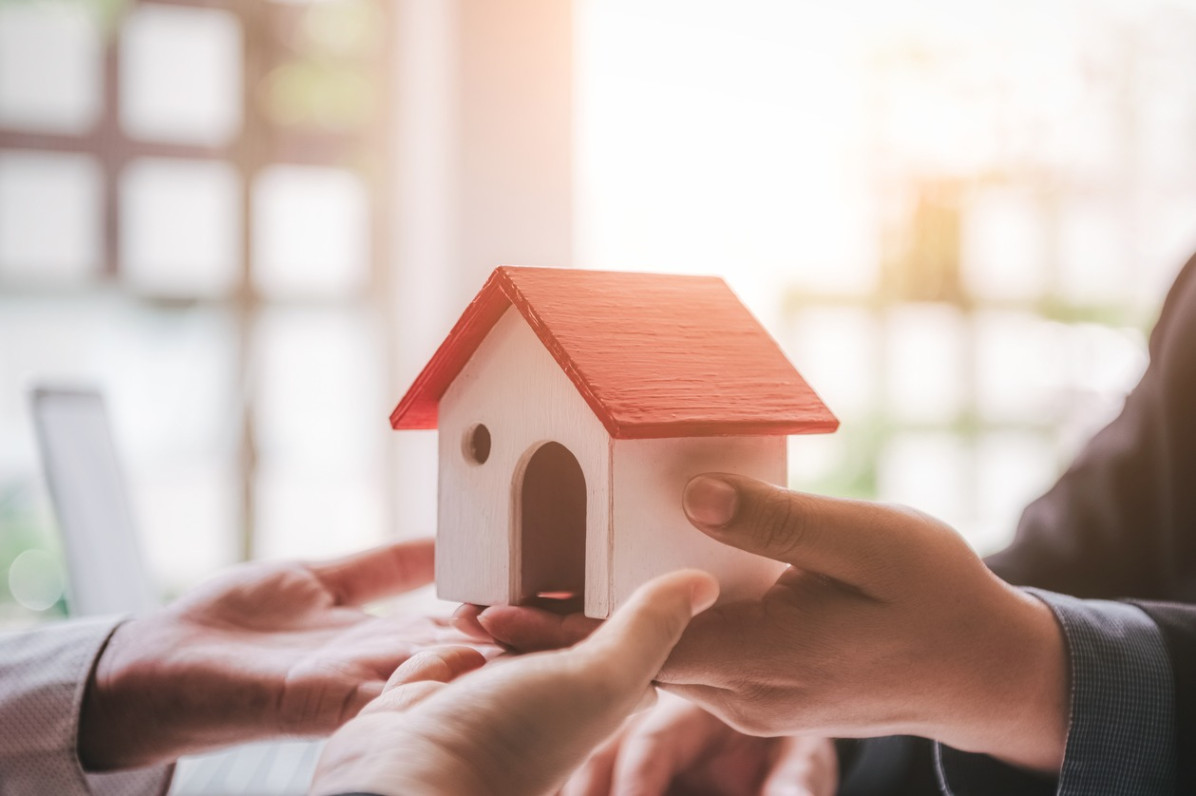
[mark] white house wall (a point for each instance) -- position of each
(513, 386)
(651, 533)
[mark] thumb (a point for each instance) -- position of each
(634, 643)
(550, 709)
(852, 541)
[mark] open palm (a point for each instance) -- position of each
(263, 650)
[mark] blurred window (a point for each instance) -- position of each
(188, 203)
(51, 217)
(50, 67)
(180, 74)
(180, 233)
(310, 233)
(959, 219)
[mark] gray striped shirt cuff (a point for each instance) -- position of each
(1121, 732)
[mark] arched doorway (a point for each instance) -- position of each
(552, 530)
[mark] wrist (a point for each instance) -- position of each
(1016, 707)
(155, 693)
(107, 733)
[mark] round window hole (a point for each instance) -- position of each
(477, 444)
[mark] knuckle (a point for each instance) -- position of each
(781, 525)
(748, 707)
(744, 718)
(926, 532)
(314, 701)
(301, 712)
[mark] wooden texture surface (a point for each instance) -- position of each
(652, 355)
(651, 535)
(517, 390)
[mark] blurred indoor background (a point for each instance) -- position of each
(251, 222)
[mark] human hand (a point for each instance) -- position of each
(885, 623)
(520, 725)
(677, 748)
(265, 649)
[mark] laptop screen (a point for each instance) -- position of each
(95, 519)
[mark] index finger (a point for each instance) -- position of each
(377, 573)
(527, 629)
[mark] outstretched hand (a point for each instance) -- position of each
(885, 623)
(519, 726)
(263, 650)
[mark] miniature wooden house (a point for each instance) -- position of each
(573, 407)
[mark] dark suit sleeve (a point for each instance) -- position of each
(1123, 716)
(1121, 522)
(1121, 713)
(1178, 625)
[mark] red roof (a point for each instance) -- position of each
(653, 355)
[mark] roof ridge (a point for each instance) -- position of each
(652, 355)
(549, 340)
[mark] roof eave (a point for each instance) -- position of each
(675, 430)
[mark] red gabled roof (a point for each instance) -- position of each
(653, 355)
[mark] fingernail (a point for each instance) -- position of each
(710, 501)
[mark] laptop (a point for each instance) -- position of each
(106, 575)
